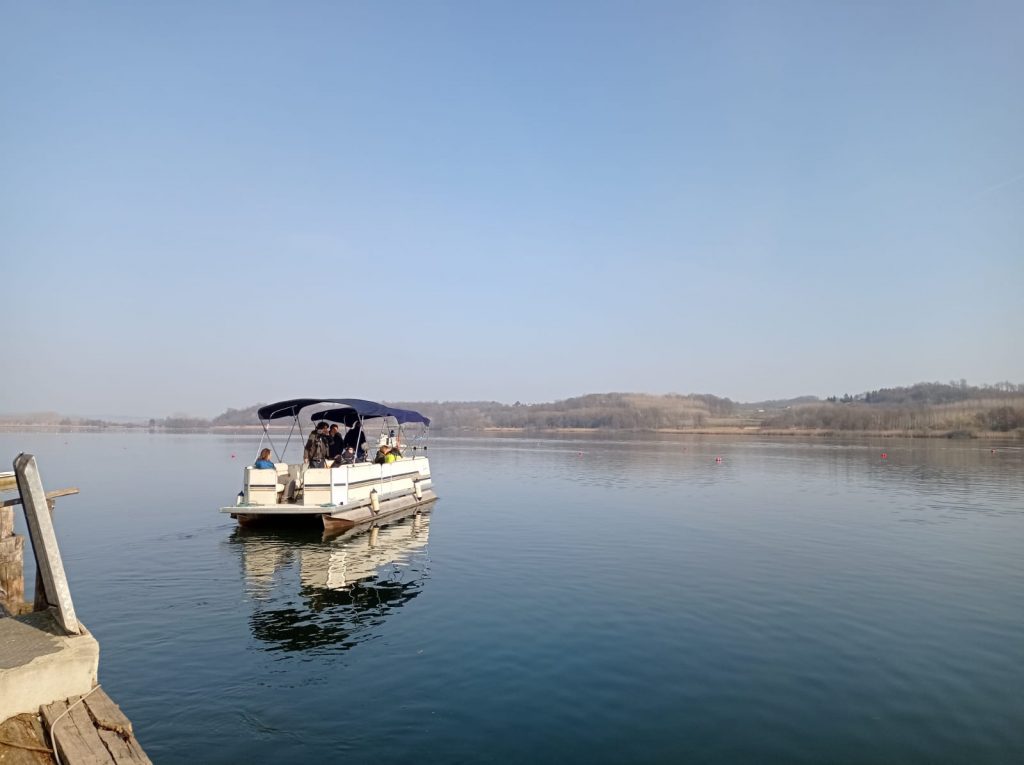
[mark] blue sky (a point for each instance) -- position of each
(210, 204)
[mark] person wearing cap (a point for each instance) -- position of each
(317, 447)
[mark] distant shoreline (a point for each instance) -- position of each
(923, 410)
(746, 431)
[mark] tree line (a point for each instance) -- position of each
(603, 411)
(927, 408)
(954, 407)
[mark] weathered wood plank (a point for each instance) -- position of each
(6, 521)
(50, 712)
(44, 541)
(70, 744)
(98, 752)
(50, 496)
(68, 740)
(140, 756)
(106, 714)
(8, 481)
(118, 748)
(95, 732)
(125, 750)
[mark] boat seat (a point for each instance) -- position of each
(261, 486)
(316, 488)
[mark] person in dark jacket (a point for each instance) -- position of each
(355, 439)
(317, 447)
(336, 444)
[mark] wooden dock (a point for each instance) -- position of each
(94, 732)
(46, 653)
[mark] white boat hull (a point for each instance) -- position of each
(339, 497)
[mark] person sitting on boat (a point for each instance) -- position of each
(347, 457)
(263, 462)
(336, 444)
(317, 447)
(386, 455)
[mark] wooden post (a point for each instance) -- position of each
(12, 556)
(12, 563)
(6, 522)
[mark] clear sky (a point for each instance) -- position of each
(209, 204)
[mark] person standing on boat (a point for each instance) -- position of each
(336, 444)
(317, 447)
(356, 440)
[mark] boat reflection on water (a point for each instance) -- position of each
(313, 593)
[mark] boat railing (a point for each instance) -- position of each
(290, 484)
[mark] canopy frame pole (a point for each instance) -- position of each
(266, 434)
(289, 439)
(360, 439)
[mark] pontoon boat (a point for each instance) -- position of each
(344, 495)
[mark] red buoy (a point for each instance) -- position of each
(885, 456)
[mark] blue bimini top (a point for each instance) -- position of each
(347, 411)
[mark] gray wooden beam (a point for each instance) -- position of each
(44, 542)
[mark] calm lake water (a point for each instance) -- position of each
(575, 600)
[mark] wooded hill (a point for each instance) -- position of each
(953, 408)
(924, 408)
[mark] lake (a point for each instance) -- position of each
(579, 599)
